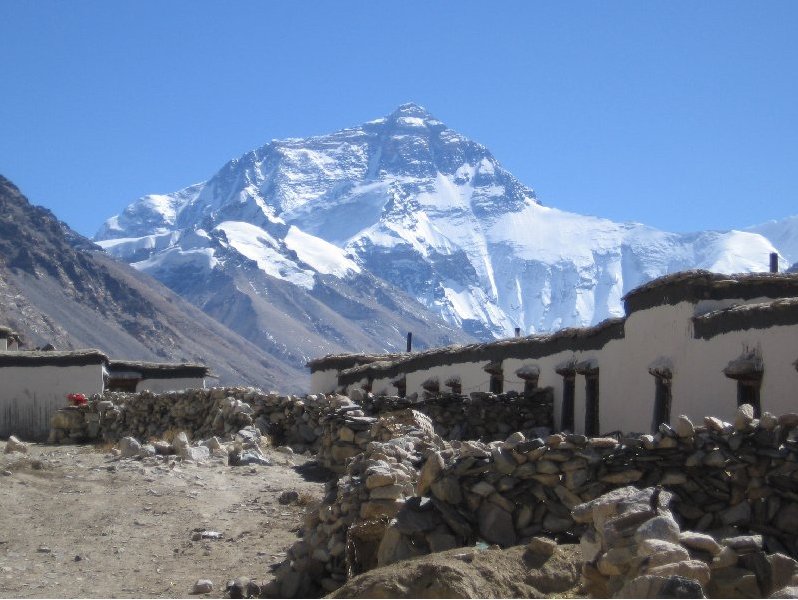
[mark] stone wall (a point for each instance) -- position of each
(334, 427)
(478, 416)
(634, 548)
(725, 478)
(343, 535)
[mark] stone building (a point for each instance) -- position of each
(692, 343)
(137, 376)
(35, 385)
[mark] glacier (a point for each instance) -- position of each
(407, 200)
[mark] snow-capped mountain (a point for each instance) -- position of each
(784, 235)
(407, 201)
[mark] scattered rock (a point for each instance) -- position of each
(202, 586)
(15, 445)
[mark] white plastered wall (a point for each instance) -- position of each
(324, 381)
(700, 388)
(171, 385)
(473, 377)
(383, 386)
(3, 344)
(29, 396)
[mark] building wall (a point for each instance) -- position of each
(324, 381)
(171, 385)
(3, 344)
(662, 334)
(29, 396)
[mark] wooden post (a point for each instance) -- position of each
(774, 262)
(517, 332)
(409, 341)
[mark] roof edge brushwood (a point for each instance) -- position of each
(573, 339)
(55, 358)
(694, 286)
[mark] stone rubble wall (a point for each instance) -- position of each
(343, 535)
(334, 427)
(201, 413)
(478, 416)
(634, 548)
(726, 479)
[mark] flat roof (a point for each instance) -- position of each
(761, 315)
(59, 358)
(154, 370)
(529, 347)
(694, 286)
(347, 361)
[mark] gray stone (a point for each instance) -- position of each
(195, 453)
(700, 541)
(395, 547)
(496, 525)
(786, 592)
(744, 417)
(715, 459)
(202, 586)
(653, 546)
(653, 586)
(288, 497)
(557, 524)
(684, 427)
(410, 521)
(743, 543)
(615, 561)
(129, 447)
(768, 421)
(387, 492)
(689, 569)
(440, 542)
(659, 528)
(378, 477)
(15, 445)
(541, 545)
(147, 450)
(740, 514)
(447, 490)
(429, 472)
(504, 461)
(787, 518)
(783, 570)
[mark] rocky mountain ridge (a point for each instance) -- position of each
(58, 287)
(410, 202)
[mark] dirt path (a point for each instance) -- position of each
(74, 522)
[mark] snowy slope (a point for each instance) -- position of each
(417, 205)
(783, 234)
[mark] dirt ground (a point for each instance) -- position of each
(514, 572)
(77, 522)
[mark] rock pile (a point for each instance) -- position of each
(634, 548)
(480, 415)
(722, 475)
(15, 445)
(239, 449)
(342, 537)
(290, 420)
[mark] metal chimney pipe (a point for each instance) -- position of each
(409, 341)
(774, 262)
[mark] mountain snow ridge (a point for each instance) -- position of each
(419, 206)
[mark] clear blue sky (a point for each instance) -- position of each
(681, 115)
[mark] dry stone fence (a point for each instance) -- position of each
(407, 486)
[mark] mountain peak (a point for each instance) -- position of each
(411, 110)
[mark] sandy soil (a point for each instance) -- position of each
(514, 572)
(76, 522)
